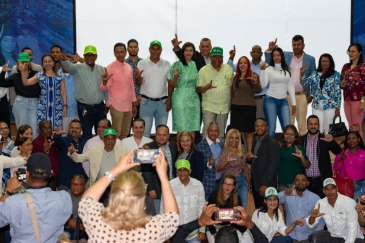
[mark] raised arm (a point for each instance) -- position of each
(26, 82)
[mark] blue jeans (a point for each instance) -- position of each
(359, 189)
(25, 112)
(90, 115)
(242, 189)
(152, 109)
(276, 108)
(282, 239)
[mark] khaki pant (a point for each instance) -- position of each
(121, 122)
(301, 114)
(221, 119)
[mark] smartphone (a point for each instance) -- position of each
(21, 174)
(146, 156)
(226, 214)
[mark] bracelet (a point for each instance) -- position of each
(109, 175)
(9, 193)
(65, 105)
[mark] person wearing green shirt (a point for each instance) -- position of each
(293, 158)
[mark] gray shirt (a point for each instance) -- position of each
(107, 163)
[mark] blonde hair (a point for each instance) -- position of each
(239, 150)
(125, 210)
(179, 147)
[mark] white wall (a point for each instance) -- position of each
(324, 24)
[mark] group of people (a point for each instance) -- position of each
(58, 104)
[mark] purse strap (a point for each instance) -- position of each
(33, 216)
(334, 119)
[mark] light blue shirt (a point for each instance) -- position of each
(216, 151)
(255, 69)
(52, 209)
(297, 207)
(70, 90)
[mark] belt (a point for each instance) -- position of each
(314, 178)
(100, 104)
(259, 97)
(155, 99)
(299, 93)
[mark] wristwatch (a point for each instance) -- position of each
(9, 193)
(108, 174)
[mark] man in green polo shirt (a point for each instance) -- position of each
(215, 81)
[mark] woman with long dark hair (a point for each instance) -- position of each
(293, 158)
(278, 76)
(325, 84)
(270, 220)
(353, 85)
(226, 197)
(243, 107)
(353, 159)
(185, 100)
(53, 100)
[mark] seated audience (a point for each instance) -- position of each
(23, 131)
(186, 147)
(270, 220)
(124, 219)
(339, 214)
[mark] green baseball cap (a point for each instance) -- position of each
(216, 51)
(90, 49)
(271, 192)
(110, 131)
(183, 163)
(155, 42)
(23, 57)
(329, 181)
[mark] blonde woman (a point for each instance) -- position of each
(125, 219)
(232, 161)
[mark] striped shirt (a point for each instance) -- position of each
(311, 150)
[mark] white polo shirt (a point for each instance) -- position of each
(155, 76)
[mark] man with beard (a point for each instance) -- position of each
(299, 202)
(317, 146)
(264, 165)
(339, 214)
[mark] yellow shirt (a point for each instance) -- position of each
(216, 100)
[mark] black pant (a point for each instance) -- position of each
(5, 111)
(89, 116)
(324, 236)
(316, 186)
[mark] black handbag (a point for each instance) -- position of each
(338, 129)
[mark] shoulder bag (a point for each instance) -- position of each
(338, 129)
(345, 185)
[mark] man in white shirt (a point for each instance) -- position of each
(339, 215)
(153, 75)
(97, 140)
(190, 198)
(137, 140)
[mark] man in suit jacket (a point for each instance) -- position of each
(149, 173)
(266, 162)
(298, 60)
(102, 157)
(211, 149)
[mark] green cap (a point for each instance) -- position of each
(183, 163)
(23, 57)
(329, 181)
(110, 131)
(155, 42)
(271, 192)
(90, 49)
(216, 51)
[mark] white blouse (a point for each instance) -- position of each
(268, 226)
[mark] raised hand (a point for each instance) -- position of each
(263, 65)
(22, 66)
(327, 137)
(315, 213)
(300, 221)
(137, 73)
(47, 145)
(6, 67)
(106, 76)
(272, 45)
(175, 42)
(72, 149)
(298, 153)
(289, 191)
(58, 131)
(206, 216)
(76, 57)
(302, 70)
(245, 219)
(212, 160)
(210, 86)
(232, 53)
(64, 56)
(250, 155)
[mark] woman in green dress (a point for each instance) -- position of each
(293, 158)
(185, 100)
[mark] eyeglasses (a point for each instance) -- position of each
(4, 128)
(228, 185)
(77, 184)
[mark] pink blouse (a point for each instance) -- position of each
(235, 167)
(355, 165)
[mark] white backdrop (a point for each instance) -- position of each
(325, 26)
